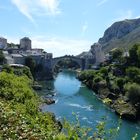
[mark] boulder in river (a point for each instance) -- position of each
(49, 101)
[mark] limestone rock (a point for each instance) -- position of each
(119, 29)
(125, 109)
(116, 34)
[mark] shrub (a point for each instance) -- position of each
(97, 79)
(104, 71)
(7, 69)
(120, 83)
(116, 53)
(133, 92)
(133, 73)
(2, 57)
(134, 55)
(87, 75)
(14, 87)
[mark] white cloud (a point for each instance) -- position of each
(23, 7)
(51, 6)
(84, 28)
(124, 15)
(61, 46)
(31, 8)
(137, 16)
(102, 2)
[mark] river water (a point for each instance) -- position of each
(73, 96)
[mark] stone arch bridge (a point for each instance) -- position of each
(79, 61)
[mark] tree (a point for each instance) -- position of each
(120, 83)
(138, 54)
(2, 58)
(133, 92)
(116, 53)
(30, 62)
(134, 55)
(133, 73)
(104, 71)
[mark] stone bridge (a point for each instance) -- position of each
(79, 61)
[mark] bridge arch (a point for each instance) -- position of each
(79, 61)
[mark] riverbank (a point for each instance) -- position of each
(103, 88)
(73, 97)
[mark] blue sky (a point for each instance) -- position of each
(62, 26)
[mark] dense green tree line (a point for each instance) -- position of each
(119, 80)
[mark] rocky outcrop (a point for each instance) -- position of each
(125, 109)
(37, 87)
(49, 101)
(116, 34)
(120, 104)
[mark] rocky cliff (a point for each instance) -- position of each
(121, 34)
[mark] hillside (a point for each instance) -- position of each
(121, 34)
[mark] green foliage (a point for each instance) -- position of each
(134, 55)
(104, 71)
(19, 71)
(120, 83)
(27, 72)
(97, 79)
(2, 58)
(102, 133)
(7, 69)
(19, 114)
(133, 92)
(133, 73)
(87, 75)
(29, 61)
(13, 89)
(138, 53)
(116, 53)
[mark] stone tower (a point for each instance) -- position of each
(25, 43)
(96, 50)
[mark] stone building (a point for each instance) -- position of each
(25, 44)
(96, 50)
(8, 58)
(35, 51)
(18, 59)
(3, 43)
(48, 55)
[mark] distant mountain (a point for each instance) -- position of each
(122, 34)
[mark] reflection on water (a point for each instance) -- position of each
(73, 96)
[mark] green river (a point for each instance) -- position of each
(73, 96)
